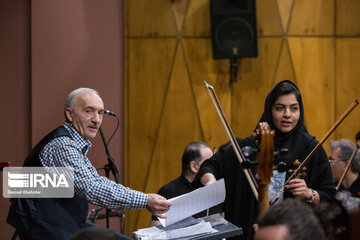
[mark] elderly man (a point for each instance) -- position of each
(341, 152)
(349, 193)
(67, 146)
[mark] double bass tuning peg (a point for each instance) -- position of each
(280, 165)
(248, 151)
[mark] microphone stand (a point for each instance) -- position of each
(109, 167)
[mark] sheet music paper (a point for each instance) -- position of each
(198, 228)
(193, 202)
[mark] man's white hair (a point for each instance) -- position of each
(72, 97)
(346, 150)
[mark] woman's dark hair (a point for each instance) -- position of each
(283, 88)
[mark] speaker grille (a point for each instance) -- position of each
(234, 36)
(233, 28)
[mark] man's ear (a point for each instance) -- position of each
(255, 227)
(194, 167)
(68, 114)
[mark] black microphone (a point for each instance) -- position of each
(110, 113)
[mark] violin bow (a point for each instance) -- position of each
(317, 147)
(347, 168)
(240, 156)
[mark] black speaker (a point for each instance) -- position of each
(233, 28)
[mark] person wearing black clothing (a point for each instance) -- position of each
(284, 113)
(349, 191)
(194, 155)
(341, 152)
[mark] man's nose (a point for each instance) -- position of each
(98, 117)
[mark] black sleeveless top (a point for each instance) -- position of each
(47, 218)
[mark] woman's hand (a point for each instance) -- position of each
(298, 188)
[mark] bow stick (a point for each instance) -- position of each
(240, 156)
(347, 168)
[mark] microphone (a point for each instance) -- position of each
(110, 113)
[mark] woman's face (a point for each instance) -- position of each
(286, 112)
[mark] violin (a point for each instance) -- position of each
(264, 138)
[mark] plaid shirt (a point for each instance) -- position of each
(98, 190)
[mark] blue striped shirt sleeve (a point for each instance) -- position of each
(98, 190)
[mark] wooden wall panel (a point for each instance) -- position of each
(179, 114)
(197, 19)
(256, 76)
(313, 60)
(150, 18)
(348, 17)
(285, 10)
(179, 125)
(312, 18)
(179, 9)
(203, 68)
(146, 93)
(145, 100)
(285, 68)
(347, 86)
(266, 10)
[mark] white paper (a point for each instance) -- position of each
(193, 202)
(159, 233)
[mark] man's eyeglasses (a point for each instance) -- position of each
(333, 161)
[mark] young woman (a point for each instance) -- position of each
(285, 114)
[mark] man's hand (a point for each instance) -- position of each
(157, 205)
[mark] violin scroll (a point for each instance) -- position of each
(264, 138)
